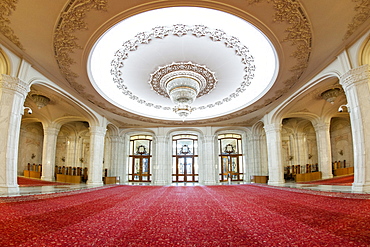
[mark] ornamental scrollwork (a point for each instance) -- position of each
(299, 32)
(65, 42)
(363, 13)
(161, 32)
(6, 8)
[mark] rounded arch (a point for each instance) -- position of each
(364, 52)
(237, 130)
(112, 129)
(137, 131)
(4, 63)
(191, 131)
(87, 114)
(281, 111)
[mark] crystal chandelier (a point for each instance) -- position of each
(182, 92)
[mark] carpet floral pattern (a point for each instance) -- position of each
(234, 215)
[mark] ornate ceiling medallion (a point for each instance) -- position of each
(195, 71)
(206, 78)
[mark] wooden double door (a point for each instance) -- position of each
(140, 169)
(185, 169)
(230, 168)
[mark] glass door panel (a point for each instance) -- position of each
(230, 168)
(140, 170)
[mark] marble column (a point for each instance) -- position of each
(254, 157)
(95, 169)
(162, 162)
(208, 161)
(324, 148)
(13, 93)
(302, 149)
(356, 84)
(48, 152)
(117, 157)
(275, 164)
(124, 159)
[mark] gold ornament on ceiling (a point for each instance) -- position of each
(288, 11)
(6, 8)
(72, 20)
(363, 13)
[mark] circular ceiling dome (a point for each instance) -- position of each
(133, 63)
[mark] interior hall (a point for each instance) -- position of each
(185, 123)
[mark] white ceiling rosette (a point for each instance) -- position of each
(240, 70)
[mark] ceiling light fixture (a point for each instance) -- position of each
(331, 94)
(183, 83)
(182, 92)
(40, 100)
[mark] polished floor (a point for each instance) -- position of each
(34, 190)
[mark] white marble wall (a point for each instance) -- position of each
(341, 141)
(30, 145)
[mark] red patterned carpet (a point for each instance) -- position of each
(28, 182)
(234, 215)
(344, 181)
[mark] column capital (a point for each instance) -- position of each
(51, 130)
(355, 76)
(14, 84)
(272, 127)
(116, 139)
(97, 130)
(321, 126)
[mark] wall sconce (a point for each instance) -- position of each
(33, 156)
(309, 156)
(82, 160)
(63, 159)
(290, 157)
(341, 152)
(340, 109)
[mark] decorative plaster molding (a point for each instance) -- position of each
(62, 51)
(15, 84)
(201, 73)
(65, 42)
(6, 8)
(363, 13)
(181, 30)
(299, 33)
(355, 76)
